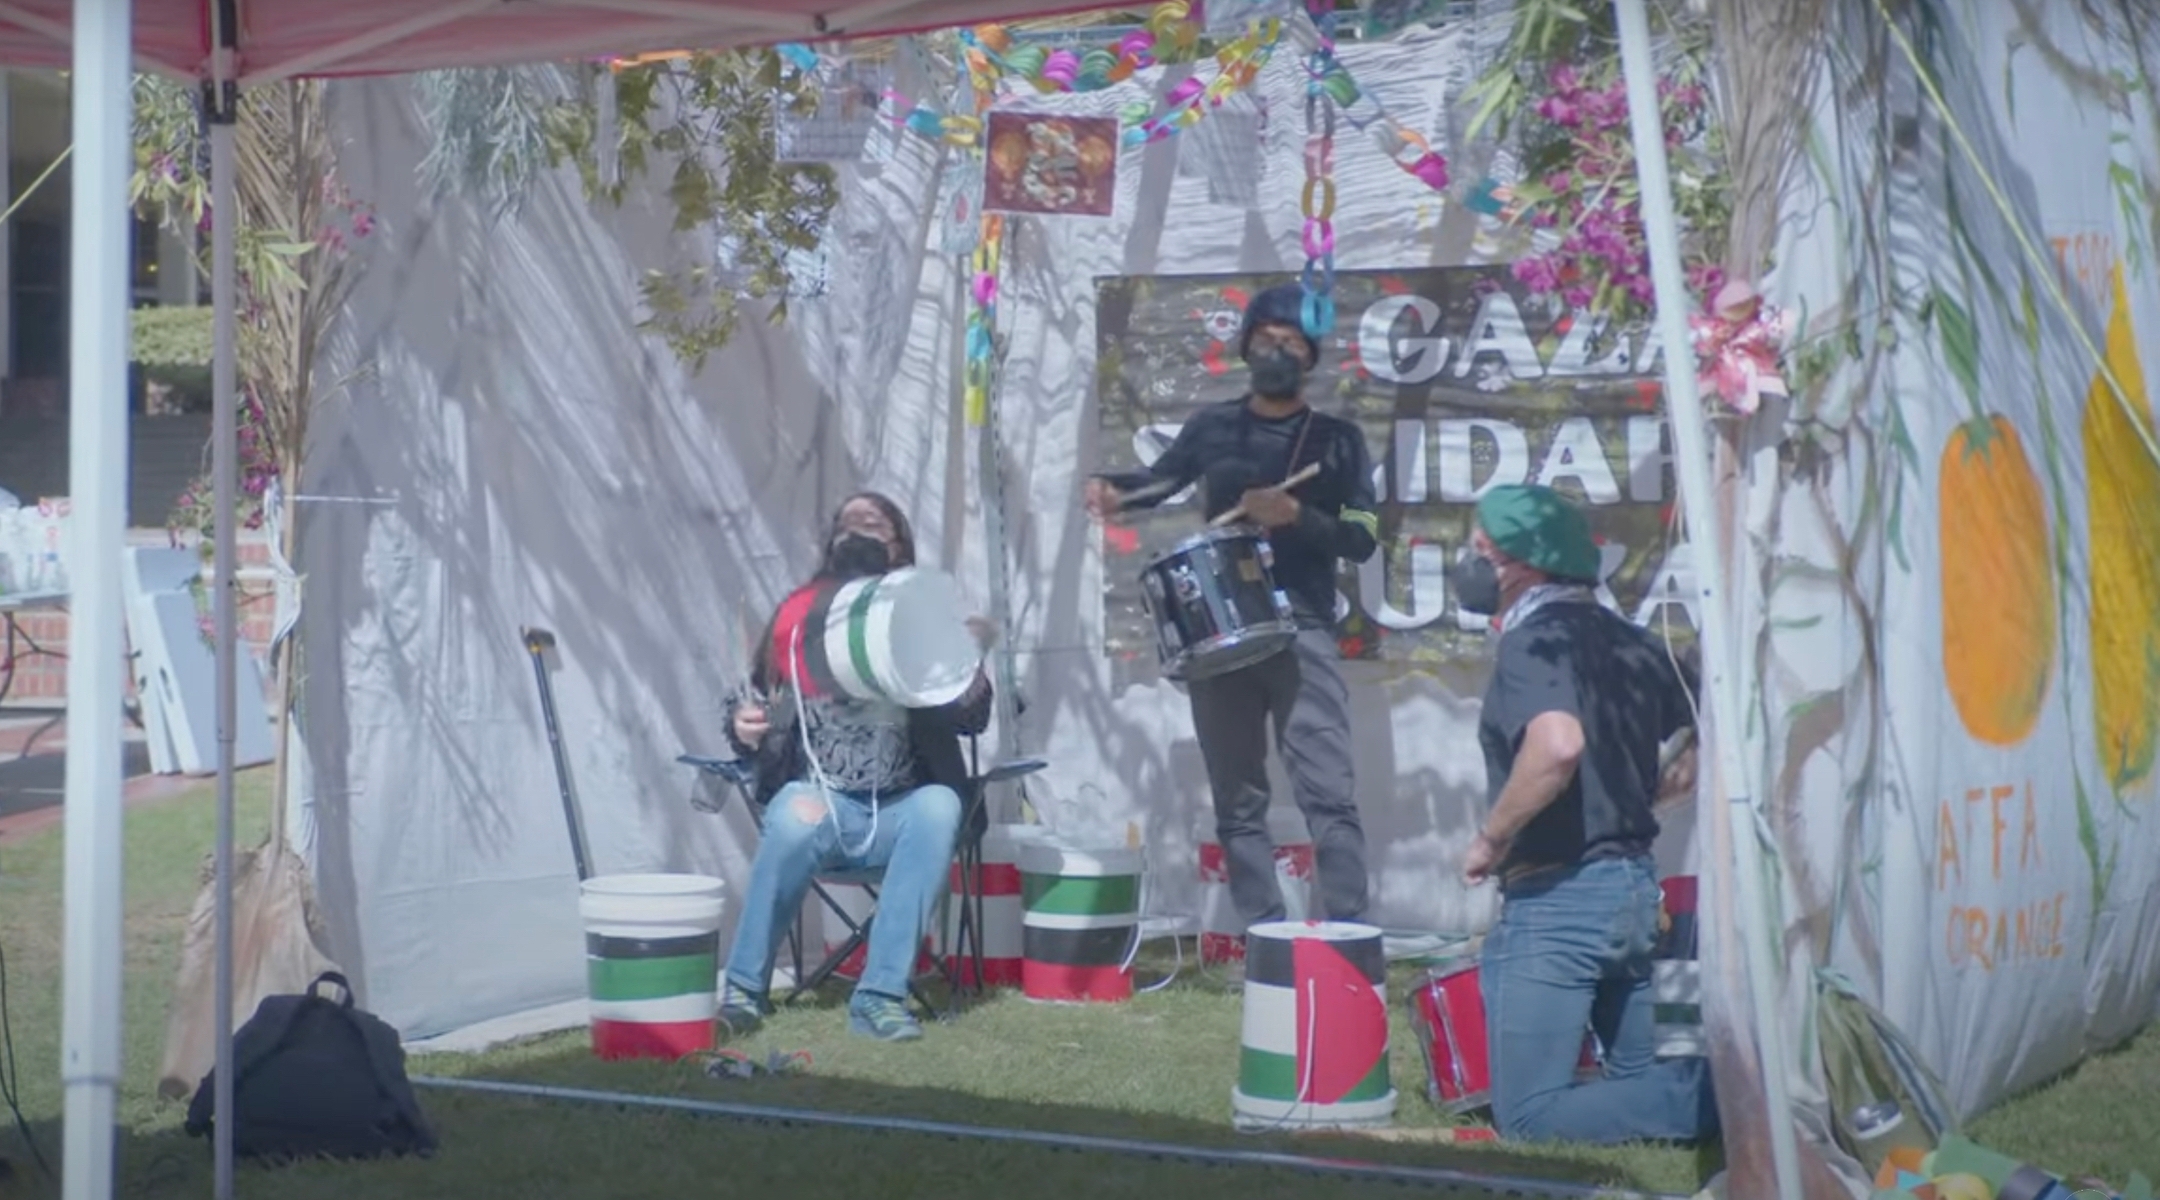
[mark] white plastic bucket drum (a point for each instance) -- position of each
(998, 885)
(1082, 913)
(901, 638)
(652, 963)
(1222, 931)
(1315, 1049)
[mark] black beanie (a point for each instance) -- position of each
(1283, 304)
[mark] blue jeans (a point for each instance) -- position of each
(1572, 950)
(913, 844)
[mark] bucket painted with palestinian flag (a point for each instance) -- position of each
(1675, 975)
(1081, 919)
(652, 963)
(1222, 931)
(899, 638)
(1315, 1046)
(998, 885)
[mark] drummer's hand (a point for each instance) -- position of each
(1102, 500)
(1271, 507)
(1483, 857)
(985, 631)
(752, 723)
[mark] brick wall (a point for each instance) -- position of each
(40, 680)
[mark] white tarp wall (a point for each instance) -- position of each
(529, 459)
(1955, 542)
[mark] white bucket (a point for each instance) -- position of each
(1314, 1049)
(998, 887)
(1082, 912)
(652, 950)
(1222, 931)
(901, 638)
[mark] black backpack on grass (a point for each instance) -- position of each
(315, 1077)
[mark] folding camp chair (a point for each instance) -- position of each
(967, 855)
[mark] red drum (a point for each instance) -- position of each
(1448, 1015)
(1447, 1012)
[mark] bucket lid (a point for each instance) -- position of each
(1057, 858)
(1326, 931)
(655, 885)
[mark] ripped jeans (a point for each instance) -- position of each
(913, 843)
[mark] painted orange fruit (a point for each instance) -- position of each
(2122, 489)
(1998, 585)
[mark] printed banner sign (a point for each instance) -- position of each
(1461, 383)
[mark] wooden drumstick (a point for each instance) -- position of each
(1310, 470)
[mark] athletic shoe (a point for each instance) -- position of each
(741, 1011)
(883, 1018)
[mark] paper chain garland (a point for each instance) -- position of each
(1318, 199)
(982, 318)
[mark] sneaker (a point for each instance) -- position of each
(883, 1018)
(741, 1010)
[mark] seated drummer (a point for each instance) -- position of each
(846, 784)
(1245, 448)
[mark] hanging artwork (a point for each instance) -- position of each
(961, 189)
(1053, 165)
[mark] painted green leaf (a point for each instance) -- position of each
(1960, 343)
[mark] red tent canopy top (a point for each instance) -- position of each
(282, 39)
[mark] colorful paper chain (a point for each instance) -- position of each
(993, 58)
(1405, 147)
(982, 318)
(1318, 200)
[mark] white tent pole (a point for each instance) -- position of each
(225, 475)
(98, 285)
(1691, 462)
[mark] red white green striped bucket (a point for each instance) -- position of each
(1002, 910)
(652, 963)
(1676, 976)
(1315, 1046)
(1222, 931)
(1082, 914)
(901, 637)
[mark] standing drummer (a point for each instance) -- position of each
(1241, 449)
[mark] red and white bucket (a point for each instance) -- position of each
(1222, 932)
(998, 884)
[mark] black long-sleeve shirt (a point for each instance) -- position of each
(1231, 448)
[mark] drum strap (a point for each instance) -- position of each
(1297, 448)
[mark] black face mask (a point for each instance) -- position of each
(1277, 374)
(855, 555)
(1477, 585)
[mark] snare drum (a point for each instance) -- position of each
(1214, 605)
(1447, 1012)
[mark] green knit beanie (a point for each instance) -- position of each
(1536, 526)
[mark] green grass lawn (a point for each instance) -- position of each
(1158, 1069)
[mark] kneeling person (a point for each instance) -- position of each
(1580, 704)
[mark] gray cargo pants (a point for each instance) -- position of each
(1302, 690)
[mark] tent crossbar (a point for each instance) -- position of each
(781, 24)
(328, 58)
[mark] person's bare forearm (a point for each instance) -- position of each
(1532, 786)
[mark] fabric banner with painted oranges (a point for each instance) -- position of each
(1947, 576)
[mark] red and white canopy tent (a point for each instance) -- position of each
(229, 44)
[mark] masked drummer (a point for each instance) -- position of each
(846, 784)
(1240, 449)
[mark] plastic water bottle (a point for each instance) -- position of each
(1880, 1128)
